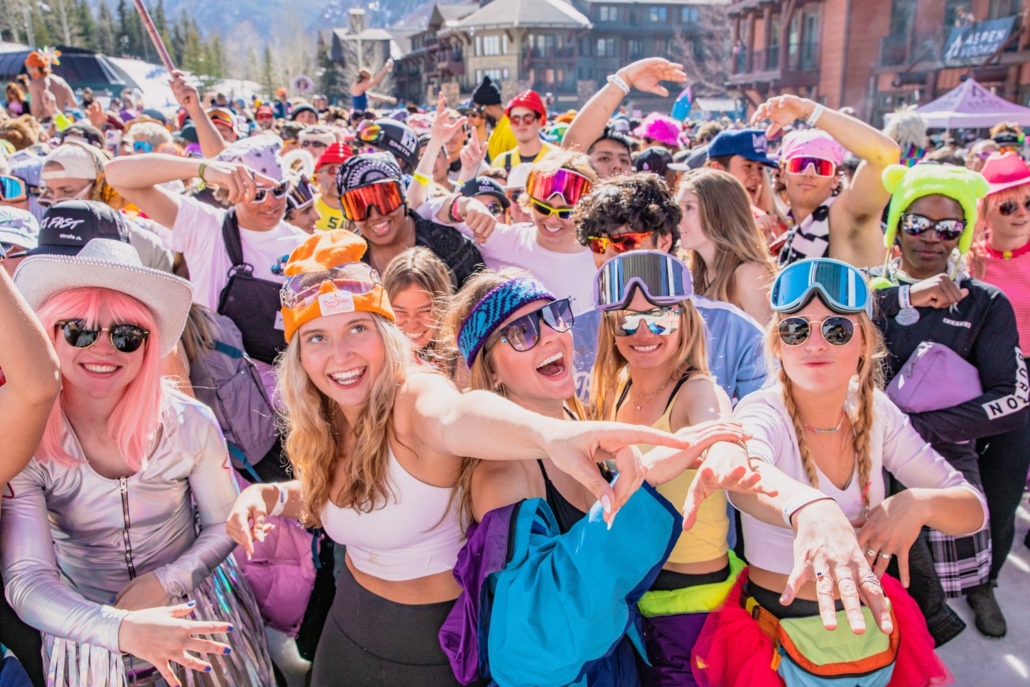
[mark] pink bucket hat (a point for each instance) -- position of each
(1005, 170)
(660, 128)
(812, 143)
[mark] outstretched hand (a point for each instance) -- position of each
(781, 111)
(647, 74)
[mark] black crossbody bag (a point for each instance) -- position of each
(251, 303)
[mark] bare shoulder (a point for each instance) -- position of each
(499, 483)
(700, 399)
(752, 272)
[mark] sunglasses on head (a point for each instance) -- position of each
(302, 289)
(662, 321)
(519, 120)
(384, 196)
(1009, 207)
(524, 333)
(125, 338)
(620, 242)
(546, 210)
(836, 330)
(277, 192)
(801, 165)
(947, 229)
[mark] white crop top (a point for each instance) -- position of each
(894, 444)
(415, 534)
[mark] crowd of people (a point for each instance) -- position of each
(483, 393)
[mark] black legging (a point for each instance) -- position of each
(24, 641)
(1004, 461)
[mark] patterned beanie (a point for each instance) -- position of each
(493, 309)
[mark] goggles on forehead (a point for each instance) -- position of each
(568, 184)
(302, 289)
(14, 189)
(384, 196)
(369, 132)
(841, 286)
(664, 280)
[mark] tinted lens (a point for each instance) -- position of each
(494, 209)
(840, 284)
(598, 244)
(660, 321)
(12, 188)
(794, 331)
(558, 315)
(664, 279)
(546, 210)
(142, 147)
(947, 229)
(370, 133)
(384, 196)
(821, 167)
(76, 334)
(838, 330)
(523, 333)
(1009, 207)
(127, 337)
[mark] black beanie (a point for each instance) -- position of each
(487, 93)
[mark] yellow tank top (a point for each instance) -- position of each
(706, 540)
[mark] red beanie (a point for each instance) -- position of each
(336, 154)
(530, 100)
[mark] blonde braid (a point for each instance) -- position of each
(869, 373)
(799, 429)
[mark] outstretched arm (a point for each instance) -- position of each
(644, 75)
(210, 139)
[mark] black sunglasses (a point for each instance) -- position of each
(1009, 207)
(947, 229)
(836, 331)
(126, 338)
(524, 333)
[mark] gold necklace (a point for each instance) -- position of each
(640, 404)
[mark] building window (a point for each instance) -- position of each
(504, 44)
(657, 14)
(608, 13)
(636, 49)
(688, 15)
(491, 45)
(504, 74)
(606, 47)
(660, 46)
(479, 46)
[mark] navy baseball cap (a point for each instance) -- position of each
(485, 186)
(748, 143)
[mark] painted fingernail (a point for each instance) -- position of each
(227, 651)
(208, 669)
(111, 600)
(229, 629)
(606, 503)
(191, 602)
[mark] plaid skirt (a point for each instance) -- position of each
(961, 562)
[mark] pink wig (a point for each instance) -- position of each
(136, 418)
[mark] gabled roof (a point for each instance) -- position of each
(530, 13)
(452, 12)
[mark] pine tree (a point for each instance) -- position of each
(106, 32)
(267, 77)
(87, 27)
(122, 38)
(178, 44)
(161, 24)
(40, 30)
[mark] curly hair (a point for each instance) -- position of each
(641, 202)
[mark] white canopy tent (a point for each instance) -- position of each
(971, 106)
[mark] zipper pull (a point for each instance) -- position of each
(123, 485)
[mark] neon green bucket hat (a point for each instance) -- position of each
(908, 184)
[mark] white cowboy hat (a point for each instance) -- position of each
(109, 264)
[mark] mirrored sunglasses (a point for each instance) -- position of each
(836, 330)
(819, 166)
(620, 243)
(125, 338)
(947, 229)
(384, 196)
(661, 321)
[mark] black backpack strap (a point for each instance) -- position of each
(507, 162)
(231, 237)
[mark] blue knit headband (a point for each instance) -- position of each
(494, 308)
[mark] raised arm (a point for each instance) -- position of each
(136, 178)
(441, 132)
(29, 363)
(644, 75)
(210, 139)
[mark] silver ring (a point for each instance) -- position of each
(870, 552)
(885, 556)
(871, 578)
(845, 577)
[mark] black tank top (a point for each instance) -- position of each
(565, 513)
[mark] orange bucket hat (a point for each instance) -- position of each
(325, 276)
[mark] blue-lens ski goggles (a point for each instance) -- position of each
(842, 287)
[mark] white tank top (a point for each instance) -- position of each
(415, 534)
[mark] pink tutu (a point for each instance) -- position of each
(917, 665)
